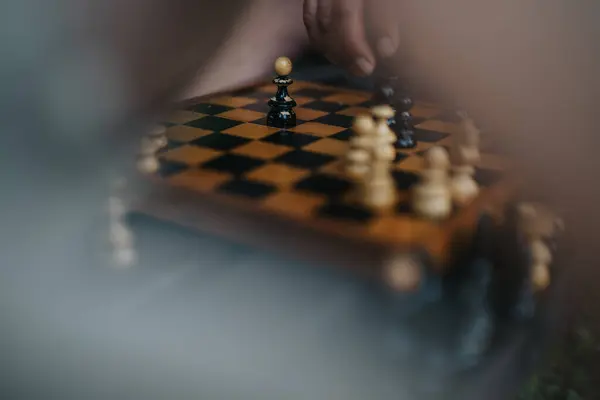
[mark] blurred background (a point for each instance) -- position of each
(199, 317)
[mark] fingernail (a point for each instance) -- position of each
(364, 66)
(386, 47)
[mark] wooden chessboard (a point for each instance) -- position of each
(224, 171)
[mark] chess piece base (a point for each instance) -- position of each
(282, 119)
(406, 142)
(432, 202)
(463, 188)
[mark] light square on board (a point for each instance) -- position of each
(413, 163)
(354, 111)
(232, 101)
(278, 174)
(336, 168)
(190, 155)
(317, 129)
(302, 100)
(306, 114)
(183, 116)
(199, 180)
(251, 131)
(243, 115)
(262, 150)
(183, 133)
(329, 146)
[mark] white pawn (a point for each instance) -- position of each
(125, 257)
(359, 154)
(378, 190)
(465, 155)
(432, 198)
(463, 186)
(158, 135)
(382, 114)
(148, 164)
(541, 258)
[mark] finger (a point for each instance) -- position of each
(309, 16)
(383, 28)
(324, 15)
(387, 40)
(349, 29)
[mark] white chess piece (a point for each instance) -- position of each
(158, 136)
(359, 153)
(541, 258)
(378, 187)
(382, 113)
(463, 186)
(431, 197)
(465, 155)
(148, 164)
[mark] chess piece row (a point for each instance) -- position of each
(121, 238)
(538, 225)
(447, 179)
(370, 157)
(147, 162)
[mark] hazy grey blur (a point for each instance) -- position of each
(76, 78)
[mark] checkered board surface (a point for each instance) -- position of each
(222, 147)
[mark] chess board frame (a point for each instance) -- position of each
(320, 240)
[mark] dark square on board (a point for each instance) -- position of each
(322, 184)
(324, 106)
(313, 93)
(209, 109)
(345, 212)
(263, 121)
(260, 106)
(400, 156)
(220, 141)
(291, 139)
(213, 123)
(425, 135)
(344, 121)
(404, 207)
(344, 135)
(304, 159)
(405, 180)
(233, 164)
(171, 144)
(170, 168)
(248, 189)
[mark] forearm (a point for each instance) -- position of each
(269, 29)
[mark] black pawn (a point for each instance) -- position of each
(282, 115)
(402, 122)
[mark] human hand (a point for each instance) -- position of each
(350, 34)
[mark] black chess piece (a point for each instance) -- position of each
(282, 115)
(402, 123)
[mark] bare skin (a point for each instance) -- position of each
(522, 69)
(269, 29)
